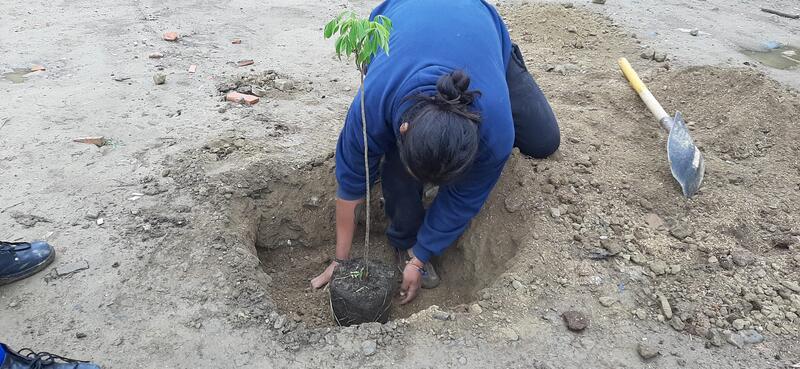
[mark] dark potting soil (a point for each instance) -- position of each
(355, 299)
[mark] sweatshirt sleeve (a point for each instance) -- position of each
(350, 174)
(454, 207)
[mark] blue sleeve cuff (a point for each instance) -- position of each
(343, 194)
(424, 255)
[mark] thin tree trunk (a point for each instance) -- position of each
(366, 172)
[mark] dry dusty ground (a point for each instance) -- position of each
(215, 216)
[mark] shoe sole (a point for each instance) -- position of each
(37, 269)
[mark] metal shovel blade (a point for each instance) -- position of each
(685, 159)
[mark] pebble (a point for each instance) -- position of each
(279, 322)
(440, 315)
(572, 29)
(716, 338)
(638, 259)
(13, 304)
(712, 259)
(258, 91)
(576, 321)
(510, 334)
(160, 78)
(680, 230)
(665, 307)
(677, 324)
(80, 335)
(751, 336)
(155, 55)
(647, 351)
(555, 212)
(694, 32)
(742, 257)
(658, 267)
(607, 301)
(791, 285)
(461, 360)
(517, 285)
(369, 347)
(734, 339)
(660, 57)
(738, 324)
(599, 1)
(476, 309)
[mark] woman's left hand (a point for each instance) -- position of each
(412, 280)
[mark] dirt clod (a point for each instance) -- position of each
(576, 321)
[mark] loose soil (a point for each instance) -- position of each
(192, 266)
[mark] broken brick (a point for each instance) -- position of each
(241, 98)
(192, 68)
(246, 62)
(170, 36)
(98, 141)
(236, 41)
(37, 68)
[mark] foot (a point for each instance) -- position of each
(20, 260)
(26, 358)
(430, 279)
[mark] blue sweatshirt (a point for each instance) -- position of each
(431, 38)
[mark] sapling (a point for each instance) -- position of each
(364, 39)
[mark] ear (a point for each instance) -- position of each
(404, 128)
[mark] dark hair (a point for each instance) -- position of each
(442, 137)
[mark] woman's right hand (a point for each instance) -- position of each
(324, 278)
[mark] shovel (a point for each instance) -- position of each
(685, 160)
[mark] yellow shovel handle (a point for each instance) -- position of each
(644, 93)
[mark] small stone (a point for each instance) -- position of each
(694, 32)
(555, 212)
(751, 336)
(165, 172)
(791, 285)
(712, 259)
(716, 338)
(462, 360)
(284, 84)
(638, 259)
(647, 55)
(607, 301)
(658, 267)
(510, 334)
(660, 56)
(640, 313)
(599, 2)
(100, 221)
(674, 269)
(665, 307)
(475, 309)
(70, 268)
(160, 78)
(369, 347)
(742, 257)
(517, 285)
(258, 91)
(155, 55)
(576, 321)
(13, 304)
(738, 324)
(677, 324)
(572, 29)
(647, 351)
(440, 315)
(680, 230)
(734, 339)
(279, 322)
(80, 335)
(170, 36)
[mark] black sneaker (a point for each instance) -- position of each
(27, 359)
(20, 260)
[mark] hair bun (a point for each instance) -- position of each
(452, 89)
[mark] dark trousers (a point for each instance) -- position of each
(536, 135)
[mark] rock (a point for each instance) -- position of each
(638, 259)
(517, 285)
(80, 335)
(572, 29)
(279, 322)
(568, 5)
(674, 269)
(607, 301)
(734, 339)
(245, 89)
(614, 247)
(245, 62)
(677, 324)
(475, 309)
(647, 351)
(226, 86)
(680, 230)
(67, 269)
(461, 360)
(440, 315)
(599, 2)
(751, 336)
(155, 55)
(284, 84)
(694, 32)
(170, 36)
(742, 257)
(648, 55)
(258, 91)
(509, 333)
(716, 338)
(576, 321)
(159, 78)
(791, 285)
(660, 56)
(654, 222)
(712, 259)
(658, 267)
(738, 324)
(555, 212)
(369, 347)
(665, 307)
